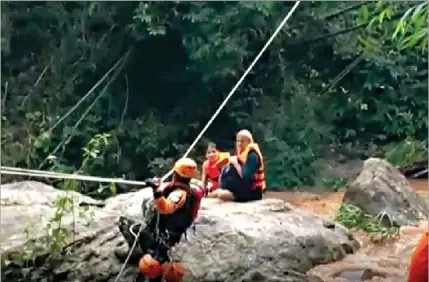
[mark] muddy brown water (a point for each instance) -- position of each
(386, 261)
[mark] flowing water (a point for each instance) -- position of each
(386, 261)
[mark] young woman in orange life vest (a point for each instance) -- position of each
(418, 269)
(243, 179)
(212, 166)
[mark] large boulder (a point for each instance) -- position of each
(381, 189)
(25, 206)
(266, 240)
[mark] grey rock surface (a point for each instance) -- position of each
(266, 240)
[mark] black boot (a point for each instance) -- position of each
(124, 225)
(122, 252)
(141, 278)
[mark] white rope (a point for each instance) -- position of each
(38, 173)
(57, 175)
(273, 36)
(89, 92)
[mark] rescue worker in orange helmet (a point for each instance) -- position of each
(418, 269)
(243, 180)
(177, 204)
(212, 166)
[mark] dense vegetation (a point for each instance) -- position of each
(340, 75)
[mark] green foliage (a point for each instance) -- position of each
(340, 72)
(392, 101)
(407, 152)
(353, 217)
(51, 246)
(412, 28)
(334, 183)
(94, 156)
(291, 139)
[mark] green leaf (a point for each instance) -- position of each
(399, 28)
(364, 13)
(418, 10)
(112, 188)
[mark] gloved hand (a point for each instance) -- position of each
(153, 183)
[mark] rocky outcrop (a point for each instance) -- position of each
(381, 188)
(262, 241)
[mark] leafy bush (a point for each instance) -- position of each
(353, 217)
(407, 152)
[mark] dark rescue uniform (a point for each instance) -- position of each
(177, 205)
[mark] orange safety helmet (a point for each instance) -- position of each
(173, 271)
(150, 267)
(186, 168)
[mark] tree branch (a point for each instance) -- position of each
(344, 31)
(340, 12)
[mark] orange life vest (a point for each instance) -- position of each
(418, 269)
(212, 169)
(258, 179)
(182, 218)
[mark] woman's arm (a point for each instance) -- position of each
(249, 168)
(237, 168)
(204, 178)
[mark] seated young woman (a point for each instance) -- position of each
(212, 166)
(243, 179)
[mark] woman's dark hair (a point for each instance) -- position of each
(211, 145)
(221, 146)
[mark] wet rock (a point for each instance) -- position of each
(381, 188)
(356, 274)
(266, 240)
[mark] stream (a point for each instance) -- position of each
(386, 261)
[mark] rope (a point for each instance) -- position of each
(273, 36)
(94, 102)
(283, 22)
(57, 175)
(89, 92)
(39, 173)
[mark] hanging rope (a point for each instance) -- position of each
(39, 173)
(74, 176)
(191, 147)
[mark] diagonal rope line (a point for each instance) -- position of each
(94, 102)
(17, 171)
(89, 92)
(234, 89)
(273, 36)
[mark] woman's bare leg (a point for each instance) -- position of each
(225, 195)
(214, 194)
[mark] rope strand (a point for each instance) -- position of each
(191, 147)
(39, 173)
(74, 176)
